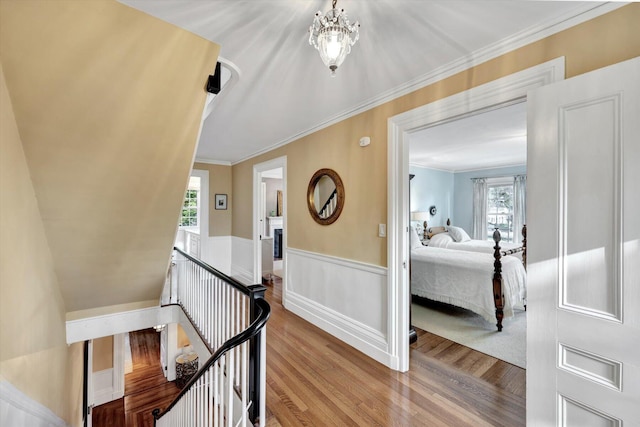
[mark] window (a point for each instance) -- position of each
(190, 207)
(500, 210)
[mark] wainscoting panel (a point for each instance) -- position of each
(103, 389)
(217, 252)
(242, 259)
(345, 298)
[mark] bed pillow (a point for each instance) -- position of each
(458, 234)
(441, 240)
(415, 239)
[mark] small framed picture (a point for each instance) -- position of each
(221, 201)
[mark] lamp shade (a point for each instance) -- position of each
(419, 216)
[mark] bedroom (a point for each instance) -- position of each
(444, 161)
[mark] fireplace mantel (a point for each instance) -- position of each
(275, 223)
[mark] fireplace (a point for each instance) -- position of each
(277, 243)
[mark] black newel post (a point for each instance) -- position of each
(257, 291)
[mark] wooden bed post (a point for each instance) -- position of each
(498, 297)
(524, 246)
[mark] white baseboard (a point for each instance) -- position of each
(18, 409)
(368, 341)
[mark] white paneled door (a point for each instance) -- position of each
(583, 343)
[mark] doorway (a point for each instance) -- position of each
(448, 163)
(269, 220)
(505, 91)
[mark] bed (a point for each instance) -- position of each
(451, 237)
(489, 285)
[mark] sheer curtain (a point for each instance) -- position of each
(479, 208)
(519, 206)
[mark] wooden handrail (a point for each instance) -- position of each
(247, 290)
(331, 196)
(258, 314)
(253, 330)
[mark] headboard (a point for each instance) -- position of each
(432, 231)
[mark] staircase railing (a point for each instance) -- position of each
(229, 388)
(329, 206)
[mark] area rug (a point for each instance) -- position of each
(471, 330)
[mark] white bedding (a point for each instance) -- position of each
(464, 279)
(444, 240)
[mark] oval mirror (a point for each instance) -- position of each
(325, 196)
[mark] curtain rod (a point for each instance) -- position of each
(496, 177)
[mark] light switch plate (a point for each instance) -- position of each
(382, 230)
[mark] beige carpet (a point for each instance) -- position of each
(471, 330)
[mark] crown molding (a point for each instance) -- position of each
(454, 171)
(527, 36)
(212, 162)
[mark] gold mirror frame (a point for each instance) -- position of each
(339, 194)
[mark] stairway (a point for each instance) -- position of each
(145, 387)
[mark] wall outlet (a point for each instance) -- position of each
(382, 230)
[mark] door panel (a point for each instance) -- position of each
(583, 343)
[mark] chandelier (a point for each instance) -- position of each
(333, 36)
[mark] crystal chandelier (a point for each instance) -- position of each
(333, 36)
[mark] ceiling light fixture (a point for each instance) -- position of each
(333, 36)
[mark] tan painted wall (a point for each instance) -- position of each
(606, 40)
(102, 353)
(108, 103)
(219, 183)
(34, 356)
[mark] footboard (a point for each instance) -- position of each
(522, 248)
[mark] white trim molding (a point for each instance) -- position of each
(118, 365)
(343, 297)
(118, 323)
(18, 409)
(504, 91)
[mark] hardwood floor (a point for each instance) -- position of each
(314, 379)
(145, 388)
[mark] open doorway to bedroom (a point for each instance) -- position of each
(509, 90)
(469, 179)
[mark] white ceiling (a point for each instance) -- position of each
(284, 91)
(495, 138)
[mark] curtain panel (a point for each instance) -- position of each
(519, 206)
(479, 208)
